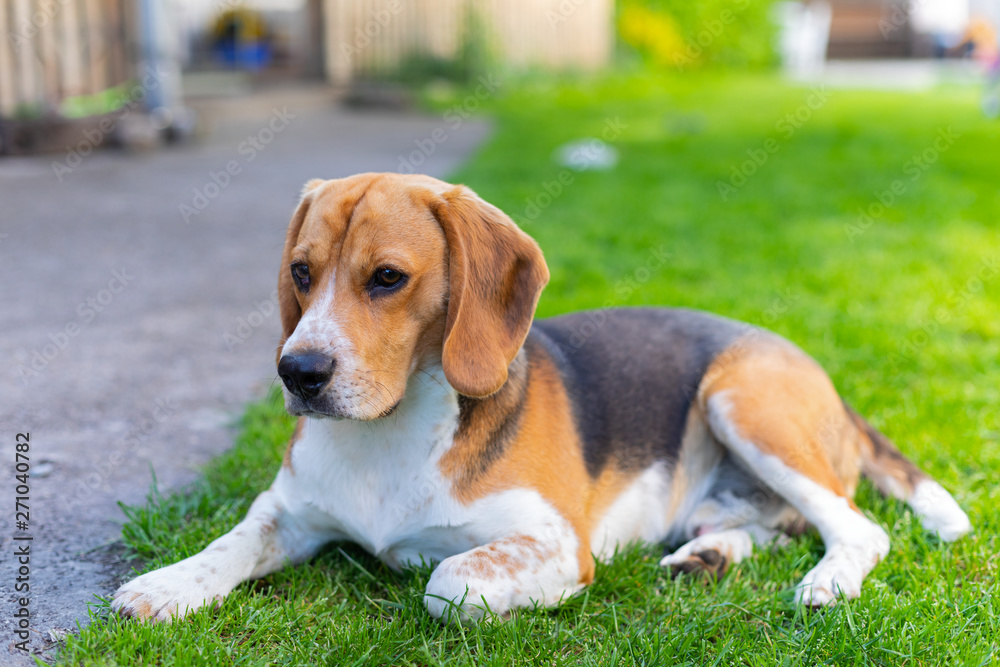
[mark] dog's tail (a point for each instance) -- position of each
(895, 475)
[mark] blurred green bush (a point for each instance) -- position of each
(683, 35)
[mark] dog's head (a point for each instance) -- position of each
(385, 275)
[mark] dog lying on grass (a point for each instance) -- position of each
(439, 422)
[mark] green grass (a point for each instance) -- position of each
(898, 316)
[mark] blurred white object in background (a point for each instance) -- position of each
(944, 20)
(589, 154)
(989, 9)
(804, 32)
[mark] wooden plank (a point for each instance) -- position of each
(339, 67)
(95, 46)
(70, 50)
(24, 55)
(48, 56)
(8, 74)
(125, 42)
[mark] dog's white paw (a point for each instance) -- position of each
(842, 570)
(453, 596)
(514, 572)
(822, 586)
(168, 593)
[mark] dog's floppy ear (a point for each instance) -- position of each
(496, 273)
(288, 303)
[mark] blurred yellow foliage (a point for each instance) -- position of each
(655, 34)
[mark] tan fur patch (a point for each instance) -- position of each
(300, 426)
(141, 609)
(504, 557)
(699, 454)
(546, 456)
(785, 404)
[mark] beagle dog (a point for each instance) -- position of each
(439, 423)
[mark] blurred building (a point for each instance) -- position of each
(904, 28)
(66, 60)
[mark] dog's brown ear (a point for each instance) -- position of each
(496, 273)
(288, 303)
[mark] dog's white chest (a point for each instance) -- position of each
(379, 483)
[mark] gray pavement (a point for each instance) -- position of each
(910, 74)
(132, 337)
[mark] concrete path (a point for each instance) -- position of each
(133, 337)
(912, 75)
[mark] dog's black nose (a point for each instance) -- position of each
(305, 374)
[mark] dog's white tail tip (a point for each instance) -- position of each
(938, 511)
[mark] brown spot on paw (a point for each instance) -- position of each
(709, 564)
(138, 608)
(267, 527)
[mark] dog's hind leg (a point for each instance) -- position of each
(712, 554)
(776, 412)
(722, 529)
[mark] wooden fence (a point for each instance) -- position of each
(55, 49)
(364, 37)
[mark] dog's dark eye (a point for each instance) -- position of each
(300, 273)
(387, 279)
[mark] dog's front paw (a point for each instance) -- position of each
(513, 572)
(458, 592)
(165, 594)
